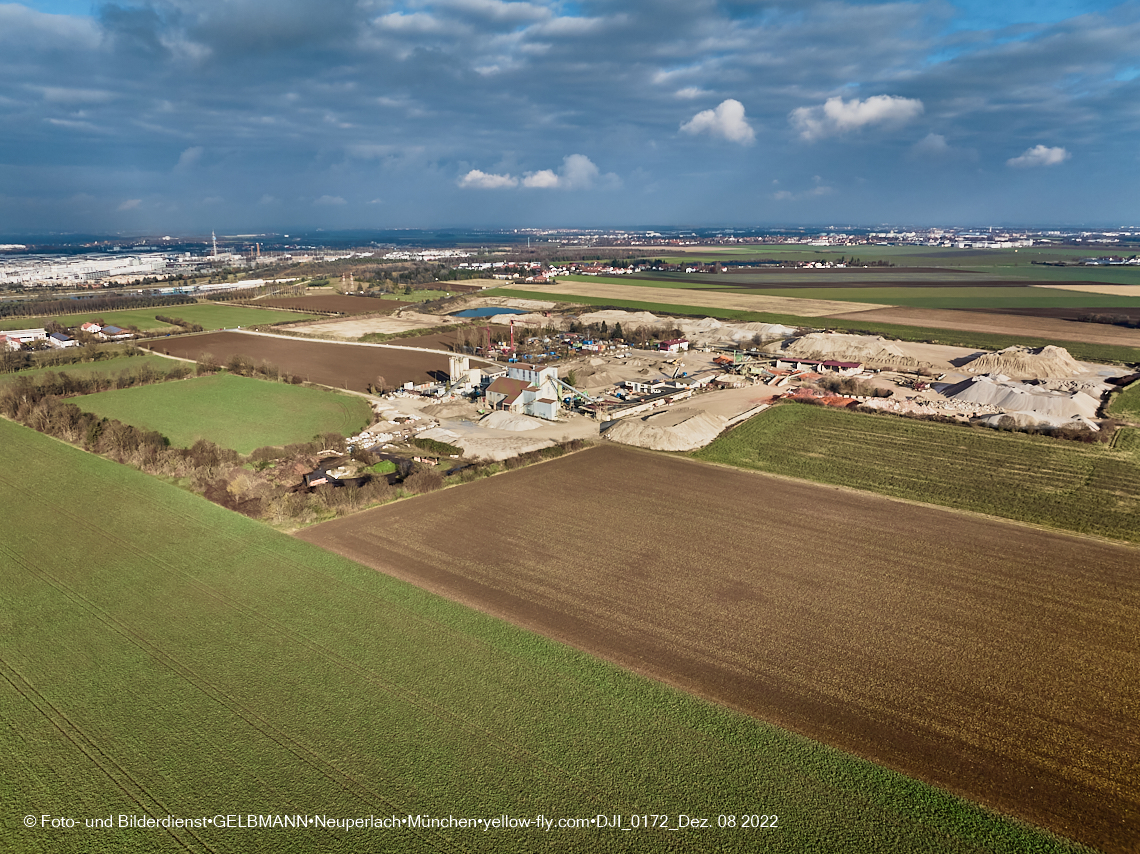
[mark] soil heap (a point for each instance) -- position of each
(701, 333)
(1025, 363)
(1001, 392)
(511, 421)
(683, 429)
(843, 347)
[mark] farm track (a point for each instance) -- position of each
(995, 322)
(958, 649)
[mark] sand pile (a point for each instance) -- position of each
(529, 320)
(700, 333)
(1093, 388)
(1001, 392)
(676, 430)
(1026, 363)
(450, 410)
(439, 434)
(511, 421)
(592, 378)
(868, 349)
(627, 319)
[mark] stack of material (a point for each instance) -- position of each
(842, 347)
(1000, 392)
(675, 430)
(705, 332)
(511, 421)
(1024, 363)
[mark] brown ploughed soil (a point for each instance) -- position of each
(338, 303)
(1076, 314)
(350, 366)
(995, 660)
(1011, 324)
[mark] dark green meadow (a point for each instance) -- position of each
(1089, 489)
(162, 656)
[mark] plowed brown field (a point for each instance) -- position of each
(350, 366)
(338, 303)
(994, 322)
(992, 659)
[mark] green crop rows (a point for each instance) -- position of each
(162, 656)
(1091, 489)
(234, 412)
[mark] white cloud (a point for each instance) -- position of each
(330, 200)
(727, 121)
(837, 116)
(130, 204)
(188, 158)
(577, 172)
(486, 181)
(933, 145)
(690, 92)
(1039, 155)
(543, 180)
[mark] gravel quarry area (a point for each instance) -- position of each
(352, 328)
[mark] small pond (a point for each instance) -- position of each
(488, 311)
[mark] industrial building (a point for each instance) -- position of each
(527, 389)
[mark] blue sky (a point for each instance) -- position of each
(178, 116)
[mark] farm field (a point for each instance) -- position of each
(993, 298)
(675, 296)
(1049, 329)
(234, 412)
(878, 627)
(1126, 405)
(208, 315)
(348, 366)
(1088, 342)
(106, 366)
(1089, 489)
(338, 303)
(163, 656)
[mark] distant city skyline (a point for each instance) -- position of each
(242, 116)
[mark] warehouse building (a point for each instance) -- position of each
(527, 389)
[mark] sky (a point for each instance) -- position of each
(245, 116)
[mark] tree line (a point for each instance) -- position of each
(89, 305)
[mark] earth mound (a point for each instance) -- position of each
(694, 430)
(844, 347)
(1027, 363)
(511, 421)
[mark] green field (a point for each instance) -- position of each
(960, 298)
(1126, 404)
(912, 295)
(1102, 353)
(208, 315)
(231, 411)
(162, 656)
(105, 366)
(1090, 489)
